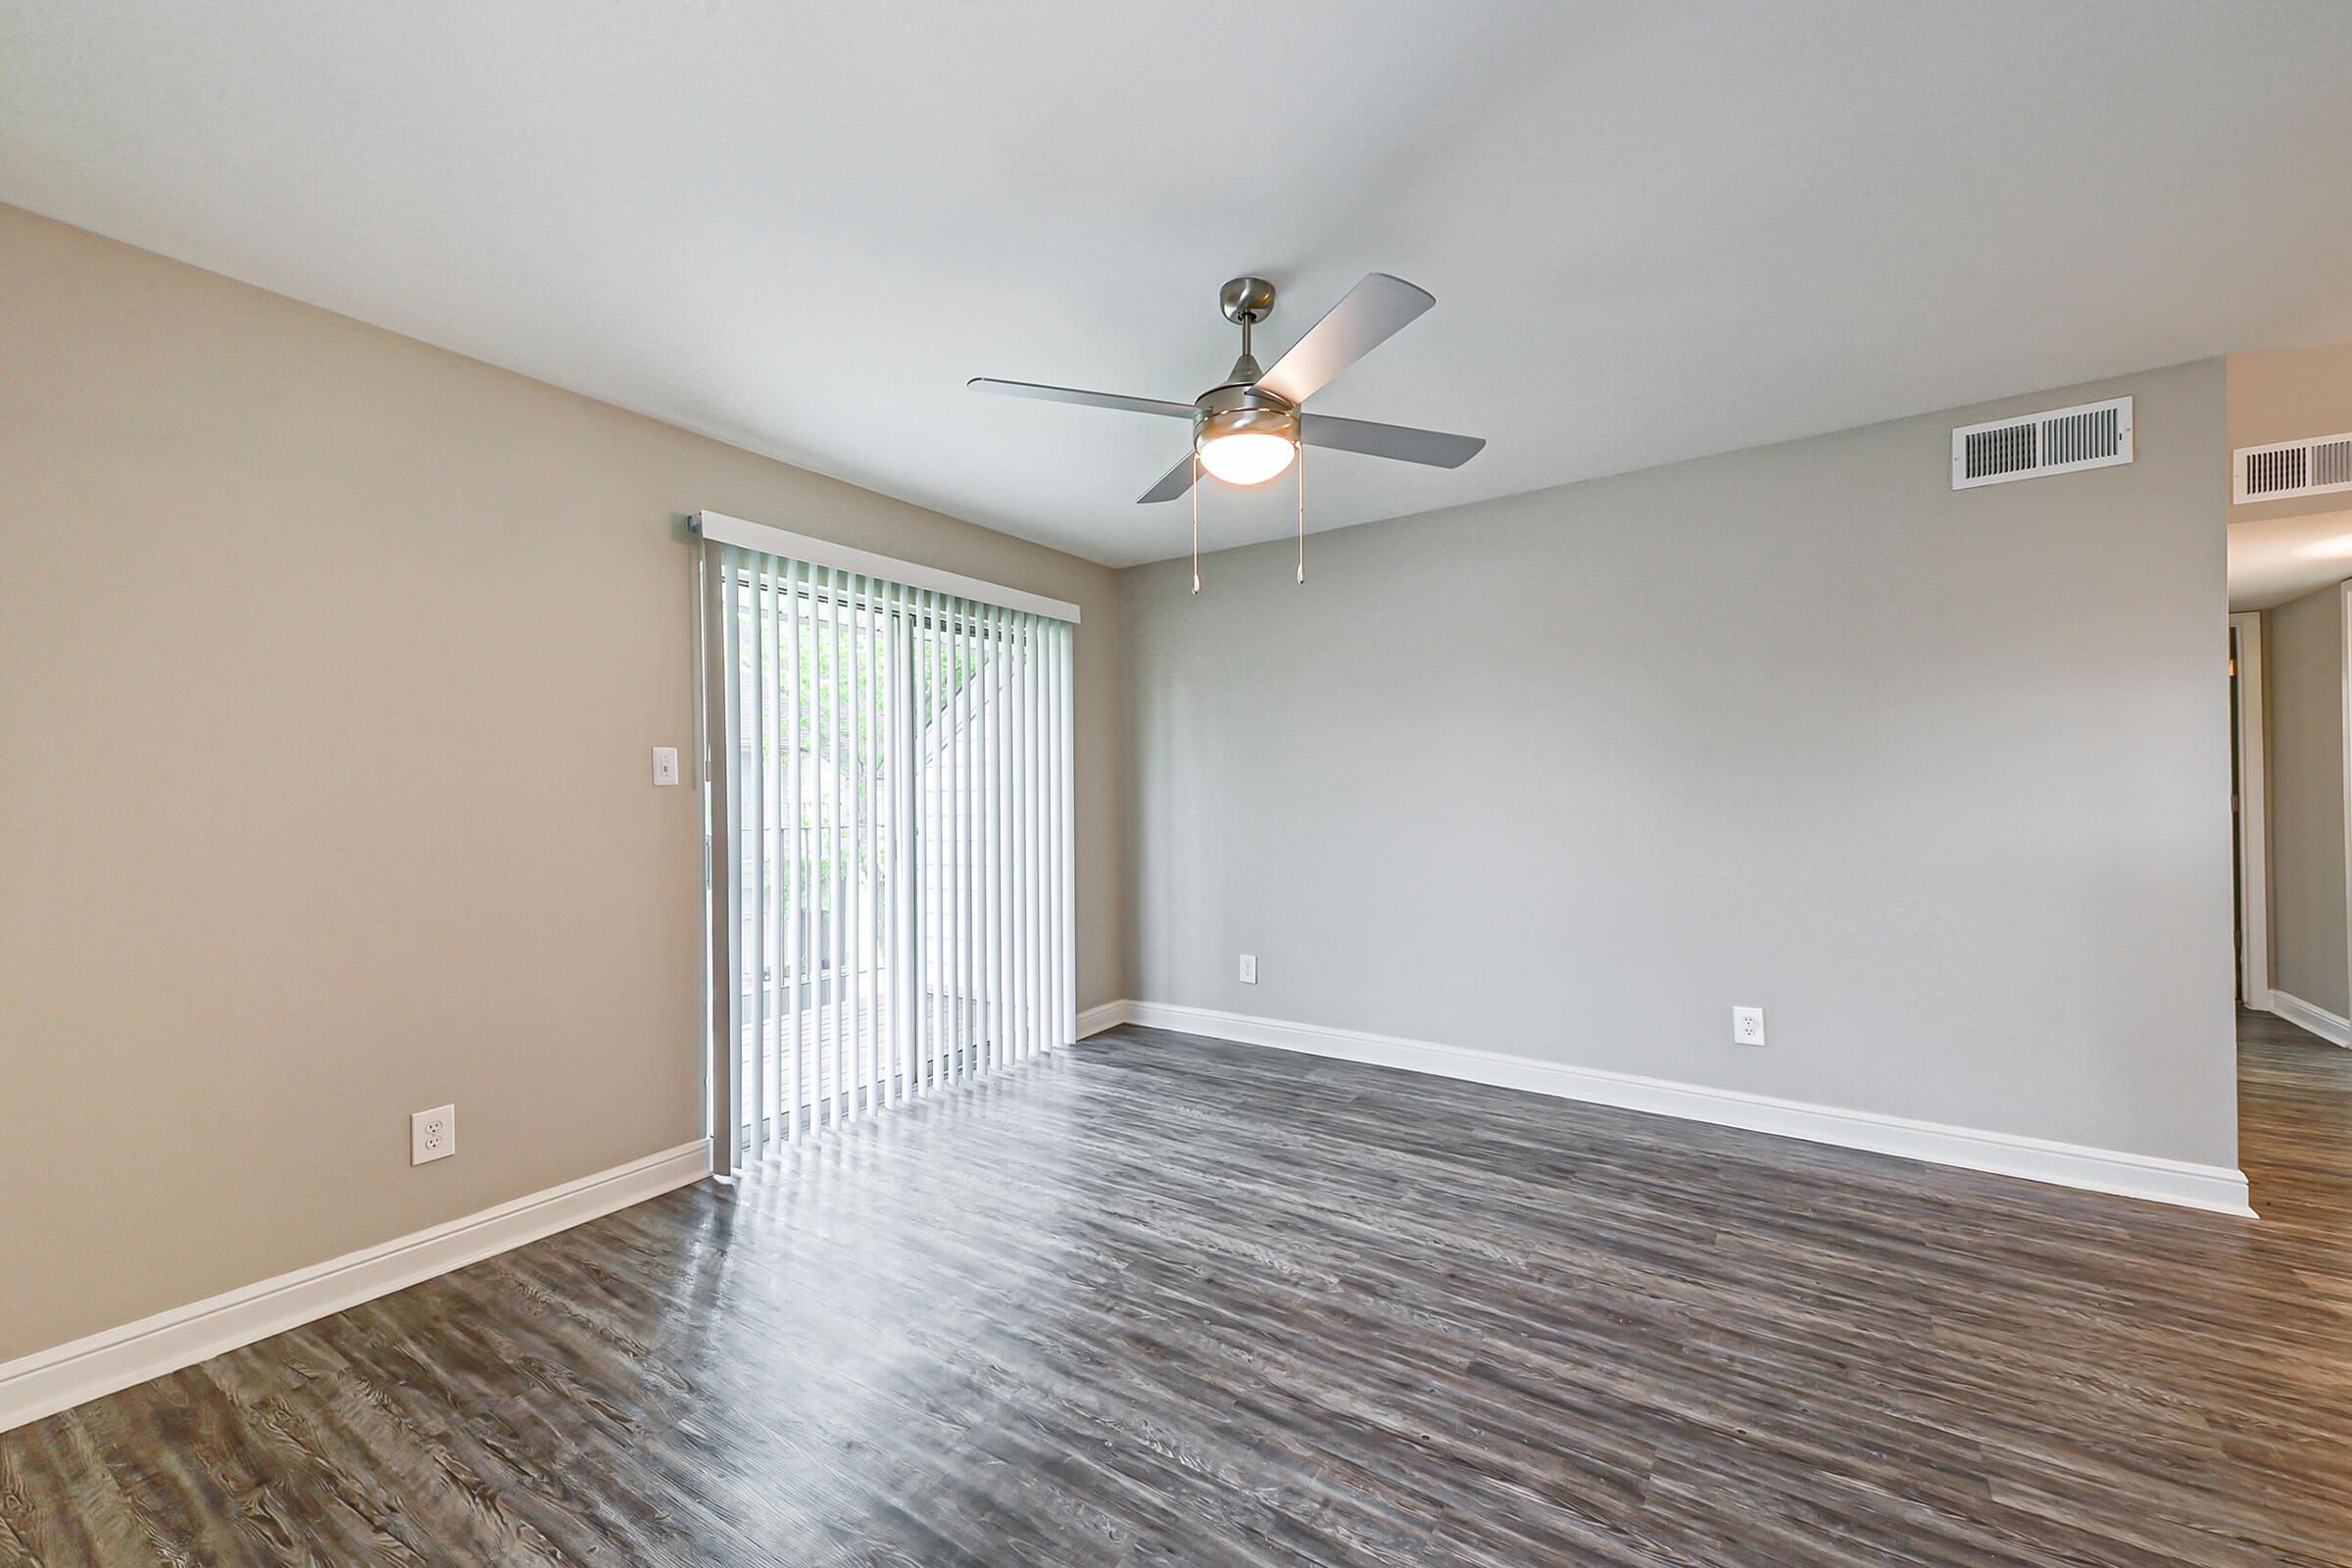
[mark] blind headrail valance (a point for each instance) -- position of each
(720, 529)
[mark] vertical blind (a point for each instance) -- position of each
(891, 879)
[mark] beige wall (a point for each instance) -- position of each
(329, 669)
(2287, 395)
(2303, 668)
(1940, 779)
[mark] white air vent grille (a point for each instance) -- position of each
(2288, 469)
(2090, 435)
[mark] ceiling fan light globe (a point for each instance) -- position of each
(1248, 456)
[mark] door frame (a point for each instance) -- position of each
(2250, 782)
(2344, 688)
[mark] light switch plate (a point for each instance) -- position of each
(432, 1135)
(665, 765)
(1249, 968)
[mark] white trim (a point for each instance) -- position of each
(2217, 1188)
(2343, 683)
(1093, 1021)
(2252, 816)
(2318, 1020)
(726, 530)
(67, 1375)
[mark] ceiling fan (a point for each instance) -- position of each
(1251, 426)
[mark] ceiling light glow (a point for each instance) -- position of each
(1246, 456)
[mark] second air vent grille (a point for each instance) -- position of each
(2288, 469)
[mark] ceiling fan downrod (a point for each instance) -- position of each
(1246, 302)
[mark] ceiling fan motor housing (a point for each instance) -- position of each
(1241, 409)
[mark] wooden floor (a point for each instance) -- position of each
(1159, 1300)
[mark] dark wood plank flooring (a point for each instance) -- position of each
(1162, 1300)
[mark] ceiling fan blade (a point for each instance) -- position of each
(1403, 441)
(1072, 394)
(1173, 483)
(1373, 311)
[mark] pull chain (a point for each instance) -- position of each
(1302, 510)
(1195, 522)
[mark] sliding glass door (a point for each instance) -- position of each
(893, 810)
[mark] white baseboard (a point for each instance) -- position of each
(67, 1375)
(2318, 1020)
(2217, 1188)
(1093, 1021)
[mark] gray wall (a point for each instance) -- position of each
(329, 669)
(1940, 779)
(2303, 658)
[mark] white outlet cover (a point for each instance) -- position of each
(432, 1135)
(1748, 1026)
(665, 765)
(1249, 968)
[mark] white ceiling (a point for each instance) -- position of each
(2287, 558)
(1653, 230)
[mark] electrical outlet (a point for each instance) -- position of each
(1249, 968)
(665, 765)
(1748, 1026)
(433, 1134)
